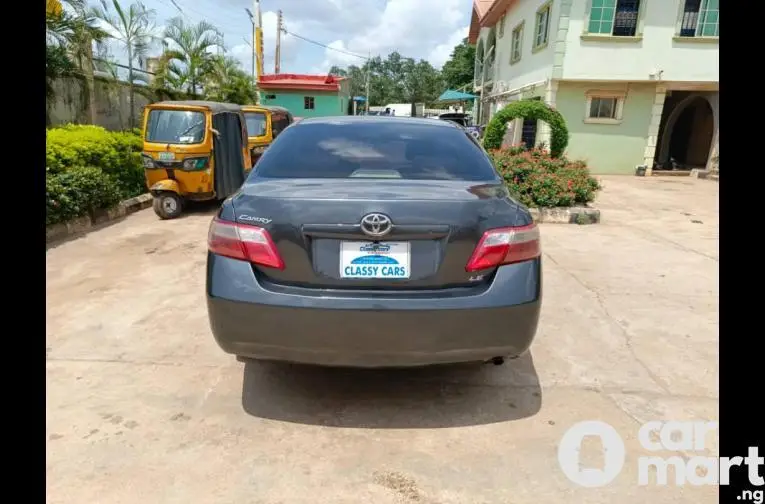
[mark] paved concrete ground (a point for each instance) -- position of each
(143, 407)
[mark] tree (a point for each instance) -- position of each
(458, 70)
(70, 36)
(134, 29)
(394, 79)
(226, 81)
(189, 57)
(422, 82)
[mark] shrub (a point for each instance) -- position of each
(78, 191)
(538, 179)
(116, 153)
(527, 109)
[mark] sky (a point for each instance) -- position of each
(427, 29)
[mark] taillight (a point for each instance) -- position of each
(244, 242)
(505, 246)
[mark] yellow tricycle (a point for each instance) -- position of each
(193, 151)
(264, 124)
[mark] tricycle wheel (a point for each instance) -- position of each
(167, 205)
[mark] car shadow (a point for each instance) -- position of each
(425, 397)
(209, 207)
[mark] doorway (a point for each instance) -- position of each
(686, 132)
(529, 130)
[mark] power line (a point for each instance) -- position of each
(325, 45)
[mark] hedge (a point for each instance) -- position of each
(528, 109)
(88, 168)
(78, 192)
(537, 179)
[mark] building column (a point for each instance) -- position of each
(543, 129)
(653, 128)
(714, 102)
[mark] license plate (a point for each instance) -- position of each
(166, 156)
(385, 260)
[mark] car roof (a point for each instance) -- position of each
(334, 120)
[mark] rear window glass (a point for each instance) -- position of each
(279, 121)
(375, 150)
(256, 123)
(175, 127)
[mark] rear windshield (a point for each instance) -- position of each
(256, 123)
(175, 127)
(279, 121)
(378, 149)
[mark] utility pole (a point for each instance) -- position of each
(254, 43)
(259, 38)
(278, 55)
(369, 70)
(257, 44)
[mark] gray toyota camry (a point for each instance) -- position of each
(374, 241)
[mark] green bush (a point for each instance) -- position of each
(78, 191)
(528, 109)
(538, 179)
(116, 153)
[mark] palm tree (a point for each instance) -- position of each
(219, 71)
(168, 76)
(134, 29)
(225, 81)
(190, 53)
(70, 36)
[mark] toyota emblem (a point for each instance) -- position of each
(376, 224)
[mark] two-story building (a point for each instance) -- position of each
(637, 81)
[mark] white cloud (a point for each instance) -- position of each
(427, 29)
(289, 46)
(442, 52)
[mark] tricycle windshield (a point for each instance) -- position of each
(175, 127)
(256, 123)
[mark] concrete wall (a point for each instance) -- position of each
(607, 148)
(686, 60)
(112, 103)
(325, 104)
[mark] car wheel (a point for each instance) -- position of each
(167, 205)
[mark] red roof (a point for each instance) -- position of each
(486, 13)
(300, 81)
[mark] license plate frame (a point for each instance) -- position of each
(367, 260)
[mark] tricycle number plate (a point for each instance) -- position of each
(166, 156)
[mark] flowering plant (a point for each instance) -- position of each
(537, 179)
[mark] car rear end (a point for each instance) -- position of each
(376, 243)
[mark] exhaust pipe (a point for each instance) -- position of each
(497, 361)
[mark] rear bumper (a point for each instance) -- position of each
(330, 327)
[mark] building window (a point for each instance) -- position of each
(516, 46)
(542, 26)
(701, 18)
(308, 102)
(614, 17)
(501, 30)
(270, 97)
(604, 108)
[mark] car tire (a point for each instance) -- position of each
(167, 205)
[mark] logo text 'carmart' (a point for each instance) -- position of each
(654, 436)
